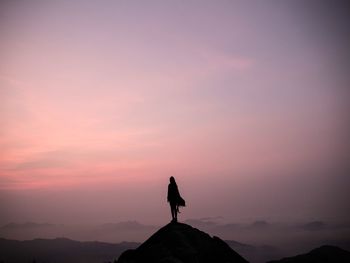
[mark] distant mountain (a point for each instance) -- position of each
(60, 250)
(181, 243)
(109, 232)
(173, 243)
(260, 224)
(324, 254)
(200, 223)
(255, 254)
(27, 225)
(126, 225)
(314, 226)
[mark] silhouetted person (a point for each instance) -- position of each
(174, 199)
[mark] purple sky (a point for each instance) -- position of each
(244, 102)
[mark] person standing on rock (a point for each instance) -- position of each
(175, 199)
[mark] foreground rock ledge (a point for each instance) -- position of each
(181, 243)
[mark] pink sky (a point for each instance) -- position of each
(102, 102)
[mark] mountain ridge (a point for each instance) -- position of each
(60, 250)
(323, 254)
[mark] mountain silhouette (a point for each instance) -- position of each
(324, 254)
(60, 250)
(256, 253)
(181, 243)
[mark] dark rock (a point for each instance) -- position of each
(181, 243)
(324, 254)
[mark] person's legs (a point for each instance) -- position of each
(173, 211)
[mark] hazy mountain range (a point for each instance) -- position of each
(60, 250)
(182, 240)
(67, 250)
(259, 240)
(108, 232)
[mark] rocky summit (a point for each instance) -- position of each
(181, 243)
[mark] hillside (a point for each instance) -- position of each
(60, 250)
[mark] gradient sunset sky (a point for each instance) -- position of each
(243, 102)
